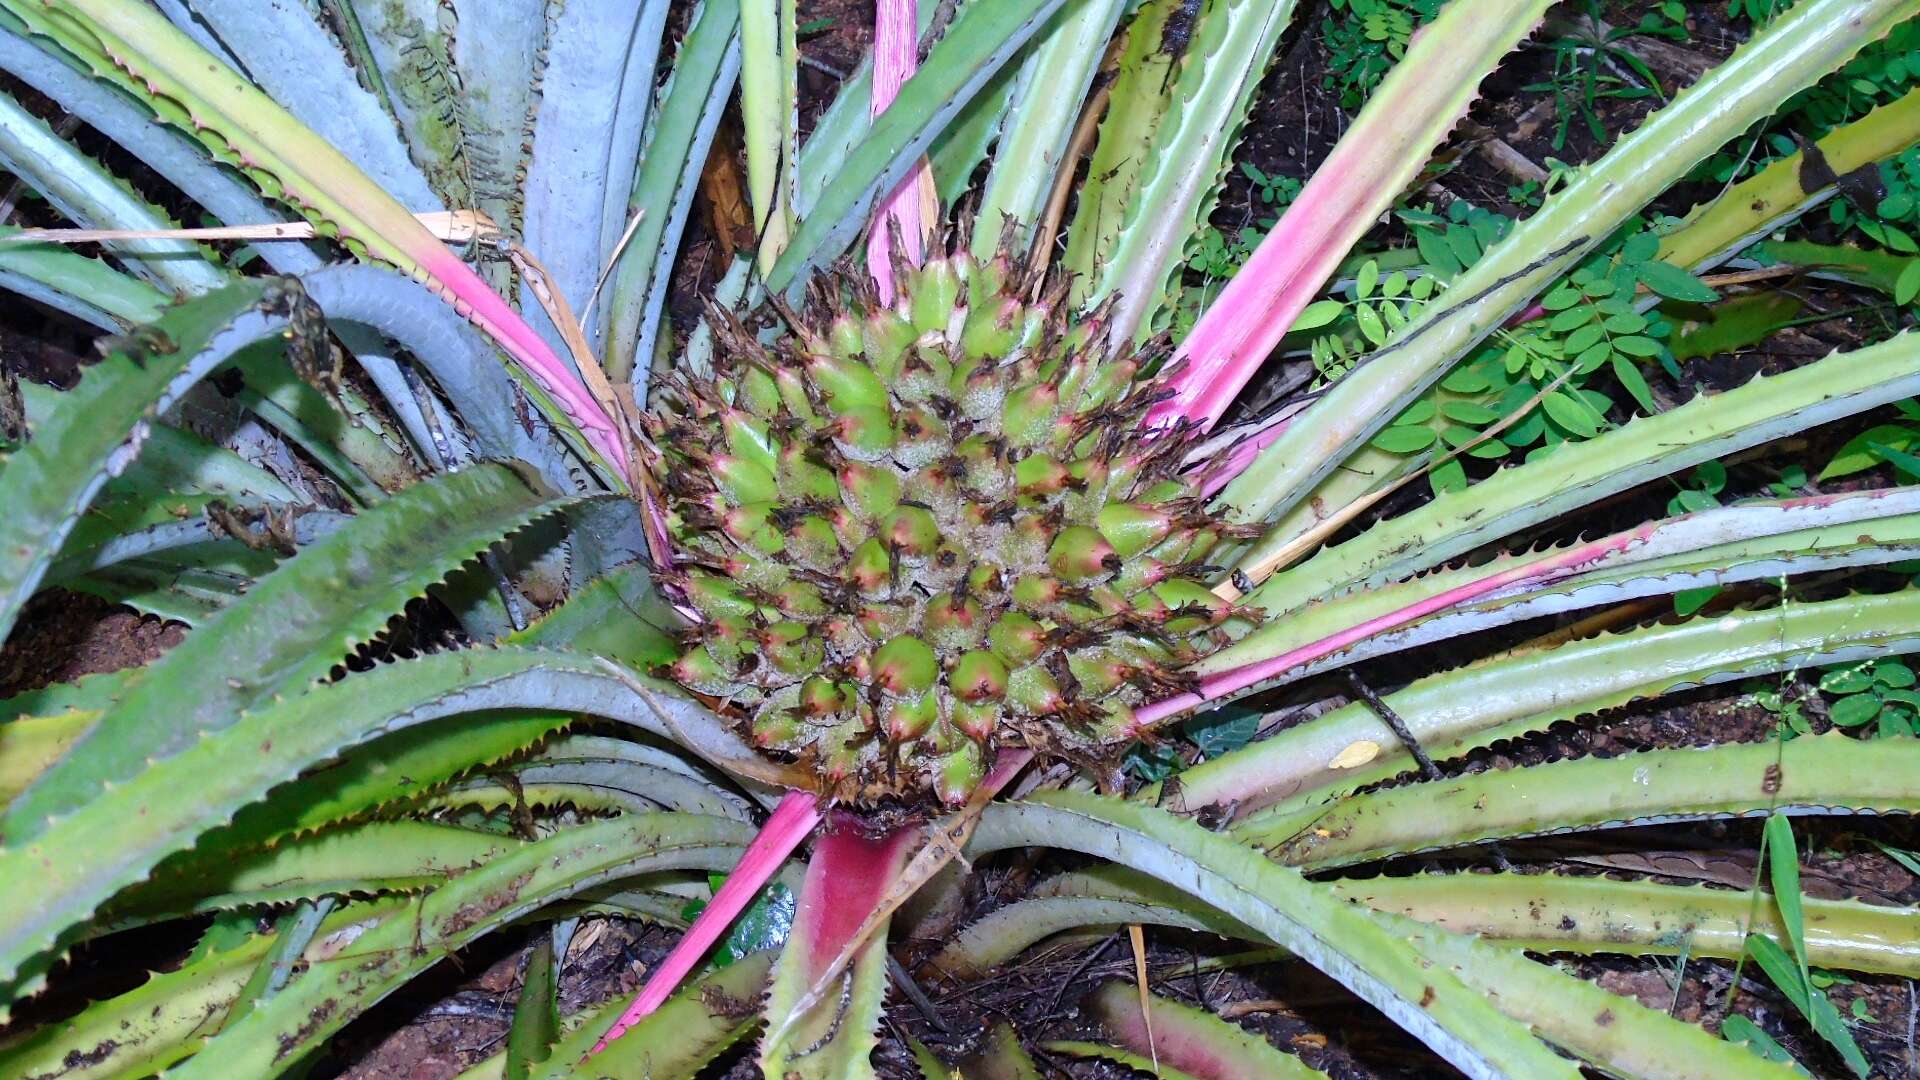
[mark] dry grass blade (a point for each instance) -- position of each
(453, 226)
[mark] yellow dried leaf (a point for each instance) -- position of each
(1355, 755)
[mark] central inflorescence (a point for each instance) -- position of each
(917, 532)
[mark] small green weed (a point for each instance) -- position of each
(1591, 329)
(1875, 696)
(1788, 970)
(1364, 38)
(1892, 444)
(1589, 66)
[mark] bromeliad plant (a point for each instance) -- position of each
(865, 541)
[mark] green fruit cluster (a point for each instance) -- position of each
(921, 531)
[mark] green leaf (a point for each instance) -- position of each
(1635, 384)
(1711, 477)
(1561, 298)
(1902, 461)
(1640, 247)
(1831, 1026)
(1571, 318)
(1858, 454)
(1676, 284)
(1688, 601)
(1812, 1002)
(1783, 867)
(1693, 501)
(1907, 285)
(1571, 413)
(1223, 731)
(1584, 338)
(1854, 711)
(1448, 476)
(1369, 278)
(1847, 680)
(536, 1014)
(1370, 325)
(1907, 860)
(766, 924)
(1468, 412)
(1734, 323)
(1593, 356)
(1465, 380)
(1780, 967)
(1404, 439)
(1318, 314)
(1635, 345)
(1465, 246)
(1739, 1029)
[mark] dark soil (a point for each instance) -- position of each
(457, 1016)
(64, 635)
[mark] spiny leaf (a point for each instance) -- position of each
(143, 1030)
(291, 628)
(1399, 127)
(1805, 43)
(387, 955)
(29, 745)
(984, 35)
(119, 835)
(1188, 1039)
(673, 1043)
(359, 860)
(1576, 474)
(1815, 774)
(93, 431)
(1046, 105)
(704, 71)
(1180, 169)
(1349, 944)
(1616, 1034)
(135, 47)
(1455, 711)
(402, 765)
(847, 877)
